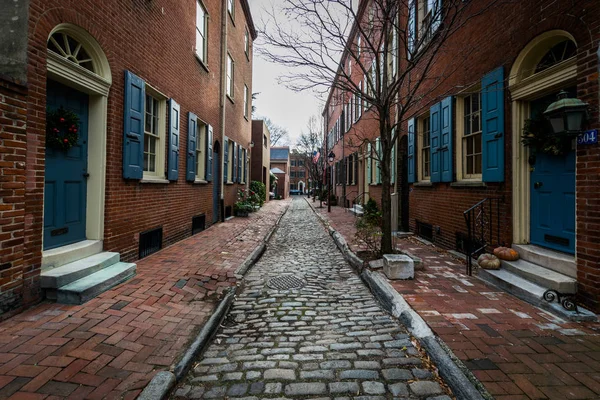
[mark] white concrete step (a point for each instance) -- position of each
(554, 260)
(357, 209)
(57, 277)
(530, 292)
(541, 276)
(84, 289)
(66, 254)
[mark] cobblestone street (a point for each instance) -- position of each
(326, 339)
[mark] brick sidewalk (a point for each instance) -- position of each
(111, 346)
(516, 350)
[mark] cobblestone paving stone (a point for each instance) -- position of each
(328, 339)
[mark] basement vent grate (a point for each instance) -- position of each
(425, 230)
(150, 242)
(285, 282)
(198, 223)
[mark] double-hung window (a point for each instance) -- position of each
(201, 32)
(231, 9)
(246, 103)
(247, 43)
(471, 136)
(425, 145)
(154, 134)
(230, 72)
(200, 151)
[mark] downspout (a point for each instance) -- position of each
(222, 105)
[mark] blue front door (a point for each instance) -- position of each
(553, 197)
(65, 187)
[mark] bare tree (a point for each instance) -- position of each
(309, 146)
(377, 53)
(279, 135)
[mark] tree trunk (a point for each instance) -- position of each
(386, 200)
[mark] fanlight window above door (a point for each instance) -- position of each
(71, 49)
(558, 53)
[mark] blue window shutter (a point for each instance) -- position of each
(411, 152)
(446, 140)
(209, 153)
(369, 161)
(234, 175)
(434, 118)
(240, 161)
(133, 127)
(225, 159)
(173, 160)
(192, 143)
(245, 165)
(492, 119)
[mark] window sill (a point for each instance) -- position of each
(374, 184)
(148, 179)
(229, 183)
(468, 184)
(230, 99)
(202, 63)
(200, 182)
(246, 118)
(423, 184)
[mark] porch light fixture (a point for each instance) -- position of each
(331, 157)
(566, 115)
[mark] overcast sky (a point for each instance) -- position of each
(283, 106)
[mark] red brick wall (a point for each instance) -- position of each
(19, 282)
(154, 40)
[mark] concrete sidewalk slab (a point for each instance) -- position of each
(113, 345)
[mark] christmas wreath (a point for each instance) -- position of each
(62, 127)
(538, 136)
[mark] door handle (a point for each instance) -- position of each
(538, 185)
(86, 175)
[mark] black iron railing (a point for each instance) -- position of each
(359, 199)
(483, 228)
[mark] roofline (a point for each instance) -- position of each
(249, 20)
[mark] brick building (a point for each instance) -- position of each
(260, 162)
(162, 116)
(461, 143)
(298, 173)
(280, 166)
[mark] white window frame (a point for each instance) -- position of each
(230, 76)
(461, 171)
(201, 49)
(231, 9)
(246, 98)
(244, 165)
(201, 156)
(421, 147)
(247, 43)
(159, 167)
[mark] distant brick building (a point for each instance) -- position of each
(298, 173)
(280, 167)
(260, 162)
(163, 135)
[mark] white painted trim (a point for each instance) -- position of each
(64, 71)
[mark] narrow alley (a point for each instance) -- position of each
(305, 326)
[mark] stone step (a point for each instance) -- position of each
(84, 289)
(63, 255)
(56, 277)
(531, 293)
(541, 276)
(554, 260)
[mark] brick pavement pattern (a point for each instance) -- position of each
(327, 339)
(516, 350)
(113, 345)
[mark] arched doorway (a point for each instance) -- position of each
(78, 83)
(543, 184)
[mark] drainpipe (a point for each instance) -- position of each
(223, 100)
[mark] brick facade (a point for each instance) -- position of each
(261, 155)
(155, 42)
(496, 37)
(298, 172)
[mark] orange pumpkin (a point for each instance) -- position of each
(488, 261)
(506, 253)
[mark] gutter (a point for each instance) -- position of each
(224, 17)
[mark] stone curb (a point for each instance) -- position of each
(162, 383)
(463, 383)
